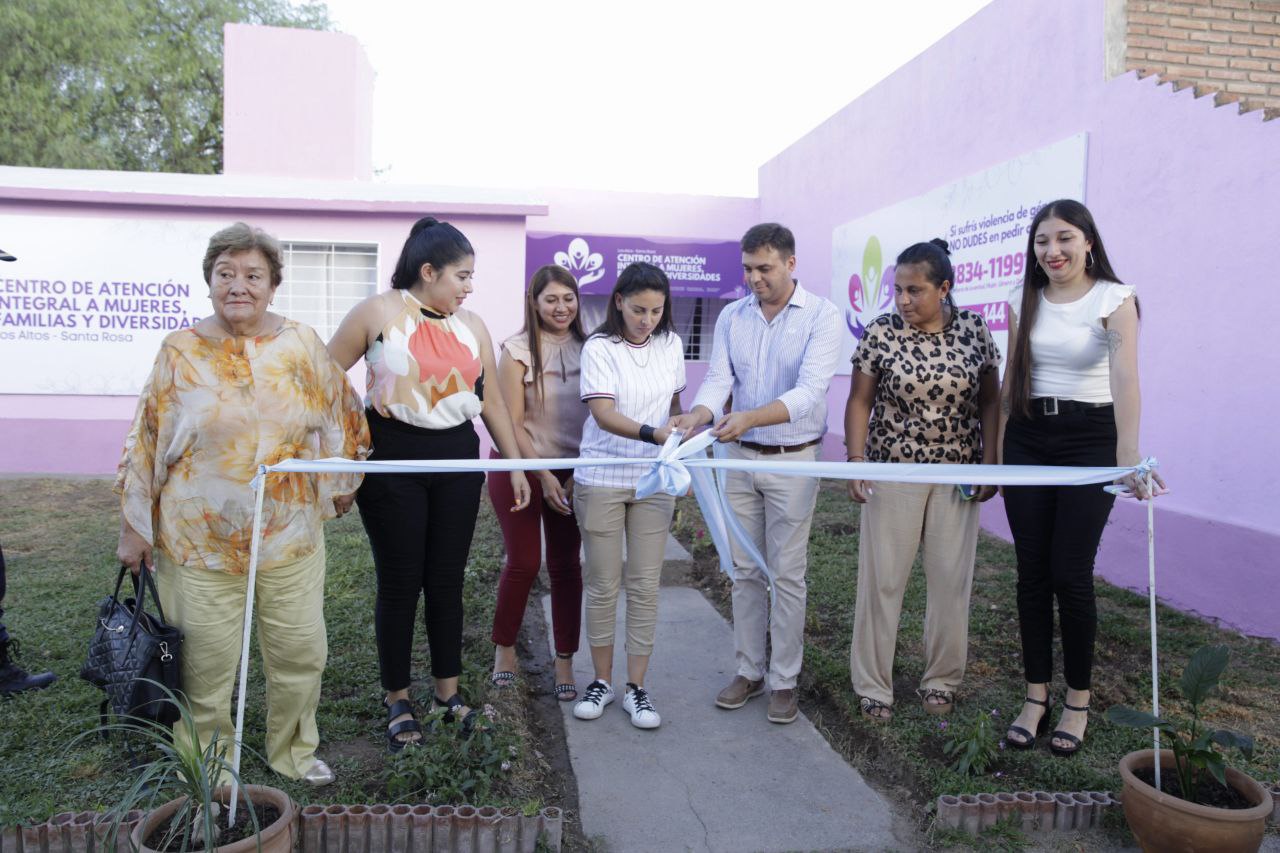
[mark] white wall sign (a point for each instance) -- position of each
(984, 217)
(87, 301)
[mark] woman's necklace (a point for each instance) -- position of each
(631, 348)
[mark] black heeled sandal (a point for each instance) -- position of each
(399, 708)
(469, 721)
(566, 692)
(1041, 727)
(1076, 743)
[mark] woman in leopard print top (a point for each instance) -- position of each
(925, 389)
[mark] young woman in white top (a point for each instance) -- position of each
(632, 376)
(1070, 397)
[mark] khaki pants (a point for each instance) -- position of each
(896, 520)
(208, 607)
(777, 511)
(605, 516)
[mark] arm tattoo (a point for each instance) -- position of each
(1005, 406)
(1114, 340)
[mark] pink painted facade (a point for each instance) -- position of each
(1187, 197)
(320, 128)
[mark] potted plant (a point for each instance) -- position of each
(180, 791)
(1202, 803)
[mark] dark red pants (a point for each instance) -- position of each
(522, 535)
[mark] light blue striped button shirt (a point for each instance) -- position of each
(791, 359)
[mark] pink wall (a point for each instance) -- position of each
(646, 214)
(298, 103)
(1186, 195)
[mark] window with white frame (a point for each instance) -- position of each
(694, 318)
(323, 281)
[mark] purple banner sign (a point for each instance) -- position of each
(706, 269)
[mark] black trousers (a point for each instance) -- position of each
(420, 528)
(1056, 532)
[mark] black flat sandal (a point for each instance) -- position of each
(1066, 752)
(469, 721)
(1041, 727)
(399, 708)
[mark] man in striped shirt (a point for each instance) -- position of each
(774, 353)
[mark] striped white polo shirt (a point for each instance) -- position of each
(640, 379)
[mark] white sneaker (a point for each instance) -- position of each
(592, 703)
(636, 703)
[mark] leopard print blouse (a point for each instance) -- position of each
(926, 405)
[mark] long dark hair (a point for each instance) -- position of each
(545, 275)
(1035, 279)
(635, 278)
(936, 257)
(430, 242)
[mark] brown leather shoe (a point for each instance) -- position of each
(738, 692)
(784, 706)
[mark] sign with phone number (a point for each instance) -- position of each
(984, 219)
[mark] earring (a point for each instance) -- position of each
(1089, 264)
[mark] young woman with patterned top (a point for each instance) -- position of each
(632, 376)
(925, 389)
(539, 376)
(1070, 397)
(427, 358)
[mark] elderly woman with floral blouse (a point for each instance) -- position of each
(242, 388)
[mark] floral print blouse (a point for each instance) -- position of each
(212, 411)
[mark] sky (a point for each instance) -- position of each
(661, 96)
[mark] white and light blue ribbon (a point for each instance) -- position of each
(681, 465)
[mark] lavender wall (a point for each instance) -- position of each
(1186, 195)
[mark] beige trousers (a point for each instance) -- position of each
(289, 605)
(605, 516)
(897, 520)
(777, 511)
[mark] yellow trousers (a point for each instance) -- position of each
(208, 607)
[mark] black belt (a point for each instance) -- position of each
(770, 449)
(1053, 406)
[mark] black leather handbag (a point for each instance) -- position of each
(133, 652)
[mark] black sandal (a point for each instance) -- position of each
(1067, 752)
(569, 691)
(503, 678)
(469, 720)
(1041, 727)
(399, 708)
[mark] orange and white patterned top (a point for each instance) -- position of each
(425, 369)
(212, 411)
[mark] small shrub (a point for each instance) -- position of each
(449, 768)
(1194, 745)
(973, 745)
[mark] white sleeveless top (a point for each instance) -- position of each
(1069, 358)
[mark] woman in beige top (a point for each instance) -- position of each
(538, 377)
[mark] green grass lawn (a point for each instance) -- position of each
(908, 752)
(59, 539)
(59, 542)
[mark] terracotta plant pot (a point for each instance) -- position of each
(278, 837)
(1163, 822)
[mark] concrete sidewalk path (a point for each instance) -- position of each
(709, 779)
